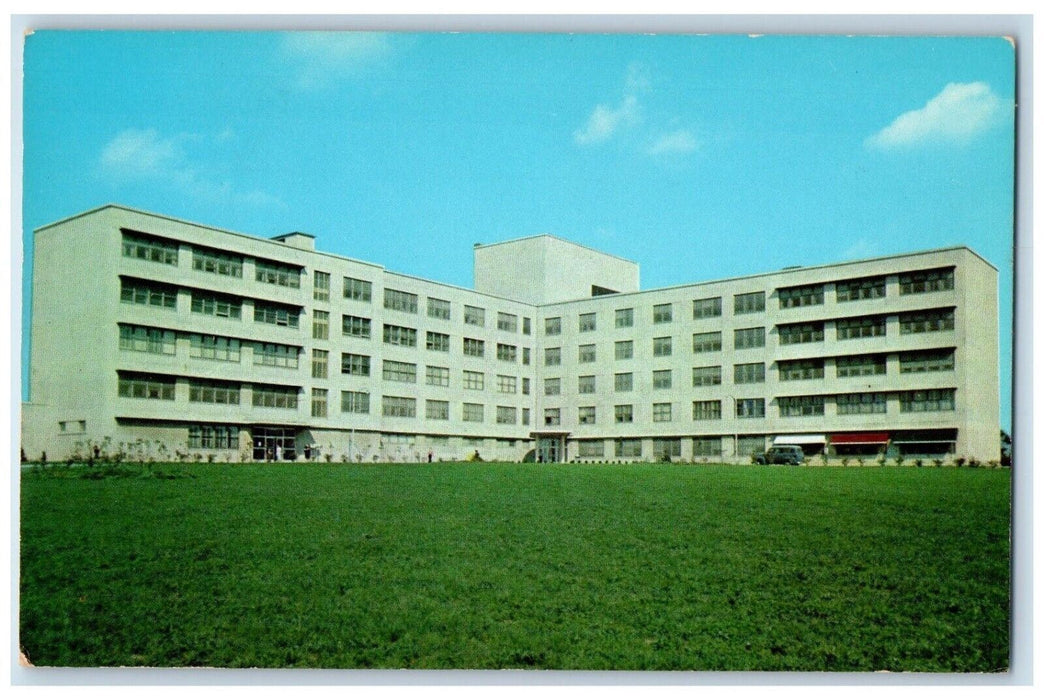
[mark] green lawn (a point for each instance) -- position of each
(478, 566)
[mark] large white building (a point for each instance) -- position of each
(166, 336)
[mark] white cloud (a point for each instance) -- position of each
(144, 155)
(321, 58)
(605, 120)
(956, 115)
(680, 141)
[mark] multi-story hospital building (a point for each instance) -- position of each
(150, 331)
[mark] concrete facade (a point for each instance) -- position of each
(160, 336)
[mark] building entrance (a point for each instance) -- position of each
(272, 443)
(550, 448)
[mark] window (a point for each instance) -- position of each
(507, 322)
(356, 365)
(265, 396)
(663, 313)
(926, 401)
(358, 290)
(860, 365)
(439, 342)
(527, 326)
(436, 410)
(473, 412)
(927, 361)
(319, 403)
(623, 413)
(709, 375)
(141, 246)
(793, 297)
(587, 323)
(275, 315)
(274, 273)
(507, 353)
(628, 447)
(590, 448)
(474, 347)
(798, 406)
(745, 338)
(926, 281)
(474, 380)
(750, 408)
(706, 308)
(525, 386)
(507, 384)
(525, 416)
(585, 415)
(507, 415)
(624, 318)
(213, 437)
(795, 370)
(393, 371)
(624, 349)
(706, 447)
(662, 414)
(320, 363)
(666, 447)
(752, 373)
(748, 303)
(623, 381)
(436, 376)
(396, 300)
(216, 305)
(145, 386)
(552, 416)
(748, 445)
(862, 327)
(148, 293)
(661, 379)
(355, 402)
(706, 410)
(276, 355)
(155, 341)
(400, 335)
(706, 342)
(662, 347)
(586, 354)
(552, 386)
(217, 263)
(355, 326)
(553, 326)
(398, 407)
(474, 316)
(851, 404)
(438, 308)
(586, 384)
(865, 288)
(552, 356)
(926, 322)
(794, 333)
(214, 347)
(320, 325)
(525, 356)
(321, 286)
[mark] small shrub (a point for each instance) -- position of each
(844, 461)
(960, 461)
(973, 462)
(210, 458)
(937, 462)
(918, 462)
(859, 461)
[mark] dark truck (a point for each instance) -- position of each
(780, 454)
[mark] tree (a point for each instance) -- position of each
(1005, 449)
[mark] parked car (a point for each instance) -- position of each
(780, 454)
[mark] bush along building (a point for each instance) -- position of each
(158, 336)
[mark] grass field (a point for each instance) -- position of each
(478, 566)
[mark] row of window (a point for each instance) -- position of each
(708, 446)
(406, 407)
(361, 327)
(789, 297)
(146, 386)
(147, 293)
(930, 400)
(142, 246)
(207, 347)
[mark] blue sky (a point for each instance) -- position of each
(699, 157)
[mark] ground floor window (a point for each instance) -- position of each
(213, 437)
(706, 447)
(666, 447)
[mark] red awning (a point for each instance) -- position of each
(859, 439)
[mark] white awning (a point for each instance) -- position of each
(799, 440)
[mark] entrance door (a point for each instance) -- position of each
(270, 441)
(549, 449)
